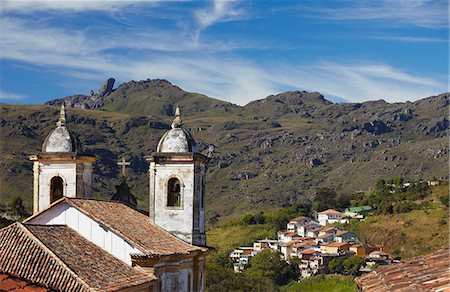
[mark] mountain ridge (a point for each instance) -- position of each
(265, 155)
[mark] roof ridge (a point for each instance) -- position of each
(52, 254)
(118, 232)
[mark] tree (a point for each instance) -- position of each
(268, 264)
(18, 207)
(346, 266)
(352, 265)
(325, 198)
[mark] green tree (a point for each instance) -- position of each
(18, 207)
(444, 200)
(269, 265)
(352, 265)
(325, 198)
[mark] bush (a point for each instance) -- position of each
(321, 283)
(268, 265)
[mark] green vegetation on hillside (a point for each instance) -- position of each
(270, 154)
(322, 283)
(409, 233)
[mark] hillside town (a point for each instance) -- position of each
(315, 243)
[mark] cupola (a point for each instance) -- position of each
(177, 139)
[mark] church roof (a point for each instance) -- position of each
(131, 225)
(59, 258)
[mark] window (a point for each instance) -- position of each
(173, 193)
(56, 189)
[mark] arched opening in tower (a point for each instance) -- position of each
(174, 193)
(56, 189)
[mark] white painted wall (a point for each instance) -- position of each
(176, 220)
(67, 171)
(89, 229)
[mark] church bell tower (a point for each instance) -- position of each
(177, 185)
(61, 169)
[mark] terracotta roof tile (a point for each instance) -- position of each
(133, 226)
(13, 283)
(330, 211)
(425, 273)
(31, 251)
(295, 220)
(309, 251)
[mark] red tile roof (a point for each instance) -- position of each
(340, 233)
(337, 244)
(295, 220)
(132, 226)
(309, 251)
(56, 256)
(425, 273)
(330, 211)
(13, 283)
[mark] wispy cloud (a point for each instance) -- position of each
(219, 11)
(426, 13)
(28, 6)
(11, 96)
(409, 39)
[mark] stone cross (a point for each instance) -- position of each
(124, 164)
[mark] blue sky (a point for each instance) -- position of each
(232, 50)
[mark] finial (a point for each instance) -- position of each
(62, 116)
(177, 122)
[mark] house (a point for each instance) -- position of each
(287, 249)
(287, 236)
(302, 230)
(434, 182)
(334, 247)
(330, 216)
(76, 243)
(263, 244)
(313, 232)
(358, 212)
(297, 223)
(345, 236)
(358, 250)
(326, 238)
(376, 247)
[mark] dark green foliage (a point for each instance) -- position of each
(18, 208)
(326, 198)
(346, 266)
(392, 197)
(444, 200)
(322, 283)
(220, 279)
(5, 222)
(268, 265)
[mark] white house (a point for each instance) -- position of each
(330, 216)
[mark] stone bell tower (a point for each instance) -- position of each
(61, 169)
(177, 185)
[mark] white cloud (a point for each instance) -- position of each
(11, 96)
(160, 54)
(426, 13)
(27, 6)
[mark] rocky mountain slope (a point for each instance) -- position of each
(268, 154)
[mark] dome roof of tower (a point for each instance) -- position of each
(177, 139)
(61, 140)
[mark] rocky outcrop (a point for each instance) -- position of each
(106, 87)
(92, 101)
(376, 127)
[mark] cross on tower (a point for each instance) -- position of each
(124, 164)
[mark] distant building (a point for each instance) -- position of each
(330, 216)
(359, 212)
